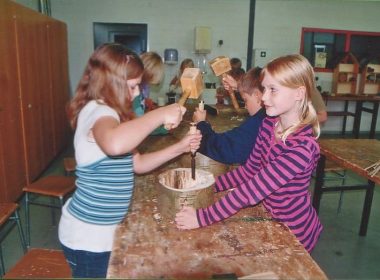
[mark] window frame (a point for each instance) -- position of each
(347, 44)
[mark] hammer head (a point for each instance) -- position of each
(191, 80)
(220, 65)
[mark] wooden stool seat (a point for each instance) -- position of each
(40, 263)
(6, 210)
(57, 186)
(69, 164)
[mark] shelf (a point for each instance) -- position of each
(370, 87)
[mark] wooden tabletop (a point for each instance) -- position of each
(353, 154)
(149, 246)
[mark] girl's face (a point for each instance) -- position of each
(252, 101)
(280, 100)
(133, 87)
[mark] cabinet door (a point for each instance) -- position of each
(12, 160)
(58, 53)
(31, 32)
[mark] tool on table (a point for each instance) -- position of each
(192, 86)
(193, 130)
(220, 66)
(373, 169)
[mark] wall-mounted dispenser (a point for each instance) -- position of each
(171, 56)
(202, 39)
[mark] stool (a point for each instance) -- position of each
(70, 165)
(55, 187)
(40, 263)
(8, 217)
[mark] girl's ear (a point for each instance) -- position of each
(301, 92)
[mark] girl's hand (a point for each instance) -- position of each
(229, 83)
(172, 115)
(191, 142)
(199, 115)
(187, 218)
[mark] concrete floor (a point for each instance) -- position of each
(341, 252)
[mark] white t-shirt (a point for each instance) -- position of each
(74, 233)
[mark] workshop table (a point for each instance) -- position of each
(148, 246)
(355, 155)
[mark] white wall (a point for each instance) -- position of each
(171, 23)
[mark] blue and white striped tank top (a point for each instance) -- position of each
(104, 190)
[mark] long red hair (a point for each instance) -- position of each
(105, 80)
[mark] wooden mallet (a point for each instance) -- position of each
(220, 66)
(192, 86)
(191, 83)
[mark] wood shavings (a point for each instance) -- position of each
(373, 169)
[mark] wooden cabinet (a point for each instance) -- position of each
(370, 79)
(345, 76)
(34, 92)
(12, 160)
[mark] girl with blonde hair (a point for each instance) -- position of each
(279, 168)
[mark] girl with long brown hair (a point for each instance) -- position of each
(105, 141)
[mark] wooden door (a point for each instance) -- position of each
(31, 32)
(12, 161)
(60, 94)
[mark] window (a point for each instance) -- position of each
(324, 48)
(132, 35)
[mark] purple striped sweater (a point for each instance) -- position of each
(277, 174)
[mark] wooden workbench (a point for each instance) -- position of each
(148, 246)
(354, 155)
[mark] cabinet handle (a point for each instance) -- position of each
(29, 106)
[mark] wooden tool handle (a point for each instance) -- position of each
(182, 101)
(193, 130)
(185, 95)
(235, 104)
(201, 105)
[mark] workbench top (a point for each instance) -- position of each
(250, 242)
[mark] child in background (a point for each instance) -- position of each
(153, 75)
(105, 141)
(279, 169)
(231, 77)
(235, 145)
(175, 83)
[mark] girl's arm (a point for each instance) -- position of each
(143, 163)
(275, 175)
(116, 138)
